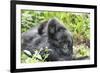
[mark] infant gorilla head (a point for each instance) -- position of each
(51, 34)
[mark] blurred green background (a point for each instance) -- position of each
(77, 23)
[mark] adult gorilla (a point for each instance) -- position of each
(51, 34)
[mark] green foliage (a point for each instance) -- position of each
(36, 57)
(81, 51)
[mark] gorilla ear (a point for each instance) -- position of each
(41, 28)
(52, 26)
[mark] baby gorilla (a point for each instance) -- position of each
(51, 34)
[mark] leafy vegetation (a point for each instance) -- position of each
(77, 23)
(36, 57)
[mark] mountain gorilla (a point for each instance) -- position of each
(51, 34)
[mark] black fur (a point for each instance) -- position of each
(51, 34)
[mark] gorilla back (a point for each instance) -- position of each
(51, 34)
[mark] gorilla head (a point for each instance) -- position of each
(59, 35)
